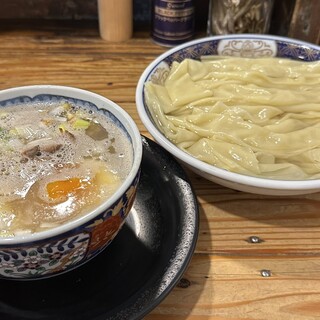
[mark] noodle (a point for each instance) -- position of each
(259, 117)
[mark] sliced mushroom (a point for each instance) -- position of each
(35, 148)
(50, 148)
(31, 151)
(96, 131)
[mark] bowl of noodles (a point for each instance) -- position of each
(240, 110)
(70, 166)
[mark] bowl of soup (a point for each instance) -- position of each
(239, 110)
(70, 166)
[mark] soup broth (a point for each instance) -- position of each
(57, 161)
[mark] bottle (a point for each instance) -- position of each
(172, 21)
(115, 19)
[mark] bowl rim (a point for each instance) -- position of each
(102, 103)
(240, 179)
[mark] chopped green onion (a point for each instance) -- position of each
(81, 124)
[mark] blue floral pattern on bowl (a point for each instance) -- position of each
(244, 46)
(35, 261)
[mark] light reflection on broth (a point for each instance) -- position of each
(57, 161)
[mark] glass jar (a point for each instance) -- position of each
(239, 16)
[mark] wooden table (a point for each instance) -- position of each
(274, 275)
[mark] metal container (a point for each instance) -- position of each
(172, 21)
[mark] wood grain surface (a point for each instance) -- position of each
(230, 275)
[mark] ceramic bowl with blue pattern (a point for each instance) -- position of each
(54, 251)
(239, 45)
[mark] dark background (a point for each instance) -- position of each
(294, 18)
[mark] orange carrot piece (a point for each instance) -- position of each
(62, 188)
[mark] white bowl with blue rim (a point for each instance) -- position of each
(242, 45)
(54, 251)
